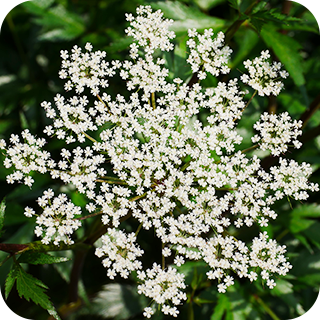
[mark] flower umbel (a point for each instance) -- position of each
(165, 156)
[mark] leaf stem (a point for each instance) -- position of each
(89, 137)
(266, 308)
(237, 24)
(249, 149)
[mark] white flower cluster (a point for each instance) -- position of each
(85, 69)
(263, 76)
(171, 172)
(269, 257)
(26, 157)
(291, 179)
(121, 253)
(57, 221)
(150, 30)
(227, 253)
(276, 131)
(208, 54)
(164, 287)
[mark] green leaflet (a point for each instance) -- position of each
(39, 258)
(222, 306)
(286, 49)
(30, 288)
(11, 279)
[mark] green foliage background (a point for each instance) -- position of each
(31, 38)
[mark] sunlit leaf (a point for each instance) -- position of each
(40, 258)
(10, 280)
(187, 18)
(2, 213)
(208, 4)
(118, 301)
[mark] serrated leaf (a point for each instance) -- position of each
(33, 289)
(40, 258)
(287, 50)
(257, 23)
(10, 280)
(234, 4)
(260, 17)
(2, 213)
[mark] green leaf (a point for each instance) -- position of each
(303, 222)
(221, 308)
(37, 6)
(33, 289)
(304, 241)
(187, 17)
(239, 307)
(57, 23)
(247, 40)
(307, 268)
(234, 4)
(311, 16)
(176, 62)
(194, 282)
(10, 280)
(261, 16)
(285, 291)
(40, 258)
(208, 4)
(287, 50)
(118, 301)
(2, 213)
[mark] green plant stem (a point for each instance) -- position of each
(237, 24)
(266, 308)
(153, 100)
(190, 311)
(89, 216)
(314, 106)
(249, 149)
(138, 230)
(163, 259)
(75, 274)
(249, 101)
(5, 260)
(112, 182)
(89, 137)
